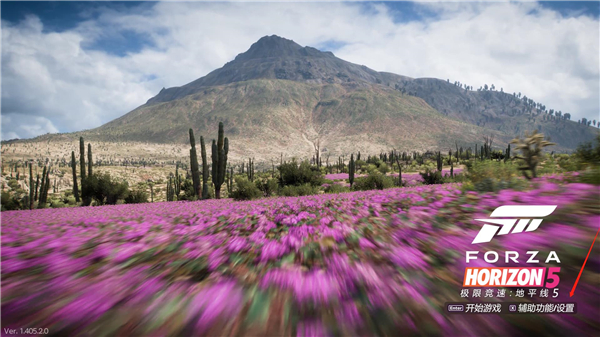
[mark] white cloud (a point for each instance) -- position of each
(519, 47)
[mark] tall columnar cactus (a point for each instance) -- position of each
(30, 186)
(280, 168)
(42, 187)
(231, 180)
(507, 154)
(531, 152)
(194, 164)
(205, 172)
(37, 185)
(228, 181)
(169, 189)
(74, 167)
(47, 184)
(220, 149)
(251, 162)
(439, 161)
(351, 169)
(82, 159)
(89, 155)
(176, 182)
(248, 173)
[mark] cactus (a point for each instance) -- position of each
(220, 149)
(531, 151)
(44, 187)
(74, 167)
(89, 155)
(177, 182)
(280, 175)
(30, 186)
(507, 155)
(168, 192)
(171, 188)
(248, 168)
(351, 168)
(205, 172)
(439, 161)
(37, 185)
(82, 159)
(229, 182)
(194, 164)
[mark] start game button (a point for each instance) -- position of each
(456, 308)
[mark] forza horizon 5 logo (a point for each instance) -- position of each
(521, 213)
(532, 286)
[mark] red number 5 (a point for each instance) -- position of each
(552, 276)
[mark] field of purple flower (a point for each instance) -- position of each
(361, 263)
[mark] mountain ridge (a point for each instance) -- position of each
(279, 97)
(274, 57)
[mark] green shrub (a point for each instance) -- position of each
(137, 196)
(481, 170)
(590, 176)
(336, 188)
(268, 187)
(70, 199)
(371, 169)
(295, 191)
(293, 174)
(549, 166)
(9, 202)
(245, 190)
(431, 177)
(13, 184)
(383, 168)
(458, 178)
(57, 203)
(374, 181)
(495, 185)
(187, 187)
(569, 163)
(103, 189)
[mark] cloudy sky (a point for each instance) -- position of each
(68, 66)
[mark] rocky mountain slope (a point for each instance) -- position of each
(281, 97)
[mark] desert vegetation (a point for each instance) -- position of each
(57, 184)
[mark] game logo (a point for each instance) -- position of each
(512, 278)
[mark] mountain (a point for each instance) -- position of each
(276, 58)
(281, 97)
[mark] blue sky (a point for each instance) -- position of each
(62, 61)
